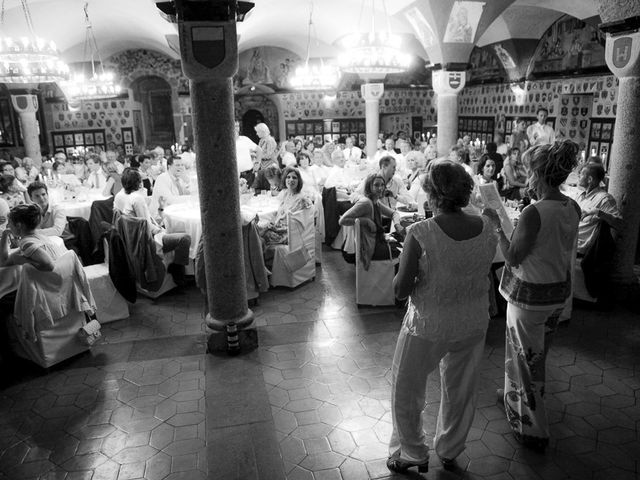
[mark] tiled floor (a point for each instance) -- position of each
(312, 402)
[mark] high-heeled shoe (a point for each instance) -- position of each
(396, 464)
(448, 464)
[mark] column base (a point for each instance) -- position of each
(247, 338)
(221, 325)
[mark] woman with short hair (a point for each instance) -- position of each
(444, 272)
(536, 282)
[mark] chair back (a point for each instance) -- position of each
(375, 285)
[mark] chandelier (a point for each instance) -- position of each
(29, 59)
(99, 84)
(374, 53)
(314, 75)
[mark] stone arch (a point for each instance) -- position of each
(263, 104)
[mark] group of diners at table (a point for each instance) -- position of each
(431, 214)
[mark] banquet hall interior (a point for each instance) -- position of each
(165, 393)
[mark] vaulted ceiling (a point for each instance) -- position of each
(130, 24)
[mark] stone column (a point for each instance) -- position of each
(27, 105)
(622, 53)
(209, 52)
(213, 119)
(447, 85)
(372, 92)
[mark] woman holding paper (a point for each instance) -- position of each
(536, 283)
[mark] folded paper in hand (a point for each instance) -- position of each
(491, 199)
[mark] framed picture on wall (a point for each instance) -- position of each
(99, 137)
(606, 132)
(127, 136)
(68, 139)
(593, 149)
(88, 139)
(78, 138)
(595, 130)
(58, 140)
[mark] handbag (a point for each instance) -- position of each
(90, 333)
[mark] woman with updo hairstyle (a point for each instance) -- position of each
(33, 248)
(444, 272)
(536, 282)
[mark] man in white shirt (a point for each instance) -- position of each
(338, 178)
(244, 146)
(388, 149)
(111, 156)
(540, 133)
(171, 186)
(352, 154)
(395, 190)
(188, 156)
(96, 178)
(53, 221)
(596, 205)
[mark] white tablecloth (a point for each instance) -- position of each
(75, 207)
(185, 217)
(9, 278)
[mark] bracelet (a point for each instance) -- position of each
(499, 230)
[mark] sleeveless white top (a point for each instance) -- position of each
(450, 300)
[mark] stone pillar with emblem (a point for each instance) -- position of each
(209, 51)
(27, 105)
(372, 92)
(447, 85)
(622, 52)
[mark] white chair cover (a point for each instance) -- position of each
(302, 234)
(373, 286)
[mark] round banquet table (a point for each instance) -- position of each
(185, 217)
(75, 207)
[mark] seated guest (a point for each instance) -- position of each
(515, 176)
(370, 210)
(352, 153)
(112, 157)
(136, 162)
(131, 201)
(171, 186)
(4, 214)
(292, 199)
(250, 175)
(26, 172)
(12, 191)
(460, 155)
(268, 180)
(303, 161)
(395, 189)
(33, 248)
(431, 151)
(114, 182)
(287, 156)
(338, 178)
(416, 164)
(96, 177)
(596, 205)
(319, 169)
(53, 221)
(492, 153)
(309, 146)
(57, 169)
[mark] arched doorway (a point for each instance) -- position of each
(249, 120)
(154, 95)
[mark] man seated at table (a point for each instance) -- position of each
(171, 186)
(4, 214)
(53, 221)
(97, 177)
(596, 205)
(131, 201)
(395, 189)
(339, 178)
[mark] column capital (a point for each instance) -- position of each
(622, 53)
(448, 83)
(372, 92)
(25, 103)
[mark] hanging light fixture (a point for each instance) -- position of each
(314, 75)
(100, 84)
(29, 59)
(373, 54)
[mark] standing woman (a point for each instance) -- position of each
(444, 270)
(536, 283)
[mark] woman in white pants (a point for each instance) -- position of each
(444, 270)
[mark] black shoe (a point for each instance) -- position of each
(448, 464)
(538, 445)
(396, 464)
